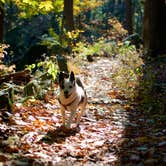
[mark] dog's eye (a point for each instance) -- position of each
(62, 87)
(70, 86)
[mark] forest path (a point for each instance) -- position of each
(139, 136)
(115, 132)
(101, 133)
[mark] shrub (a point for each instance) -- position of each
(128, 71)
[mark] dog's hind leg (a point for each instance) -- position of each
(81, 113)
(72, 114)
(82, 110)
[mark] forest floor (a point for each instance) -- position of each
(116, 131)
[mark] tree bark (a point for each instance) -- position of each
(1, 20)
(129, 16)
(68, 17)
(62, 64)
(154, 33)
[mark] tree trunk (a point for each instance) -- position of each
(1, 20)
(62, 64)
(154, 33)
(68, 18)
(129, 16)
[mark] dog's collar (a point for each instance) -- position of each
(68, 104)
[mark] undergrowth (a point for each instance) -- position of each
(128, 64)
(152, 93)
(128, 71)
(99, 48)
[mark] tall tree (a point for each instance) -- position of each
(1, 20)
(154, 27)
(129, 16)
(68, 19)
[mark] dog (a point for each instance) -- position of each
(72, 96)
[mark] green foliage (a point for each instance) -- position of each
(85, 5)
(128, 66)
(128, 70)
(48, 66)
(58, 5)
(138, 15)
(62, 41)
(100, 48)
(30, 67)
(152, 88)
(29, 8)
(50, 41)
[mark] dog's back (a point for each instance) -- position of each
(79, 83)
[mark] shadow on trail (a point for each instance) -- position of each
(145, 136)
(60, 134)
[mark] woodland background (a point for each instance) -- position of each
(117, 47)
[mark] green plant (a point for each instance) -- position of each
(97, 48)
(129, 70)
(30, 67)
(51, 39)
(49, 67)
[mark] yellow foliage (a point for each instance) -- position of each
(85, 5)
(117, 26)
(74, 34)
(29, 8)
(46, 5)
(33, 7)
(58, 5)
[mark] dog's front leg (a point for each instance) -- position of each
(63, 115)
(81, 113)
(72, 114)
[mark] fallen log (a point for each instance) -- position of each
(21, 77)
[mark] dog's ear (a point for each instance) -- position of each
(72, 77)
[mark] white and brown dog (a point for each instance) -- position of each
(72, 96)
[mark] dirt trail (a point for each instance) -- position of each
(113, 133)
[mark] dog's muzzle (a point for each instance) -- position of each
(66, 94)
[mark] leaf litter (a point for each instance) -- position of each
(113, 133)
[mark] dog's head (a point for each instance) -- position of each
(67, 84)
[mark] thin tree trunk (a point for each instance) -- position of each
(154, 33)
(68, 15)
(1, 20)
(129, 16)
